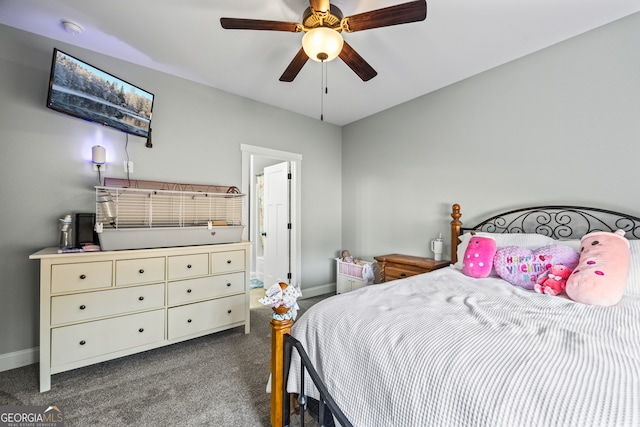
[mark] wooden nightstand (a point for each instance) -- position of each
(396, 266)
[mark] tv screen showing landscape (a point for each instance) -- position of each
(81, 90)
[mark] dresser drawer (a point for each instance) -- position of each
(200, 317)
(227, 261)
(91, 305)
(399, 271)
(86, 340)
(398, 266)
(80, 276)
(185, 266)
(139, 270)
(185, 291)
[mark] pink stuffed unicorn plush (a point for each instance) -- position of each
(553, 281)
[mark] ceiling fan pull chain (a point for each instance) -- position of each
(326, 78)
(322, 87)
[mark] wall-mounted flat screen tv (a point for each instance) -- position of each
(81, 90)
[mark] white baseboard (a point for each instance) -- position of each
(319, 290)
(18, 359)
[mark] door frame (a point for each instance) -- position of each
(249, 153)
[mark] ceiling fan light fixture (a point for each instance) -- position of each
(322, 44)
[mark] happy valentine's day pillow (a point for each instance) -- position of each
(521, 266)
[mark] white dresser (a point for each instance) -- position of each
(97, 306)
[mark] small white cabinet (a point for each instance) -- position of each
(97, 306)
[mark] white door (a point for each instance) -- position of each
(276, 224)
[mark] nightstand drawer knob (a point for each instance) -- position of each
(141, 330)
(188, 291)
(141, 271)
(83, 276)
(402, 274)
(82, 307)
(83, 342)
(141, 298)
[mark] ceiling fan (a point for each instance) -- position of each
(323, 24)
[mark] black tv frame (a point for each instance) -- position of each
(79, 89)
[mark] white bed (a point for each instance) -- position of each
(444, 349)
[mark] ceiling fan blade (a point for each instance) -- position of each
(319, 5)
(404, 13)
(258, 24)
(357, 63)
(294, 66)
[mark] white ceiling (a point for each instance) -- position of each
(458, 39)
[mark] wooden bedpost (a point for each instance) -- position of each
(278, 329)
(280, 325)
(456, 224)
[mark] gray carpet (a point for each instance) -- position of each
(217, 380)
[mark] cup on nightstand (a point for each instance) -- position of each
(437, 246)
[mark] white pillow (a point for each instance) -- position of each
(461, 249)
(633, 281)
(526, 240)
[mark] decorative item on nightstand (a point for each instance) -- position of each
(437, 246)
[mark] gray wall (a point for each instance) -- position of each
(558, 126)
(197, 132)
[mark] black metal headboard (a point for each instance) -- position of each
(560, 222)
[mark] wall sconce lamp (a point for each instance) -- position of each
(99, 158)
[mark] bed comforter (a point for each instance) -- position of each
(442, 349)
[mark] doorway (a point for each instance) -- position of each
(254, 161)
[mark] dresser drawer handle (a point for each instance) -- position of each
(188, 291)
(141, 271)
(228, 284)
(228, 311)
(188, 320)
(82, 307)
(83, 342)
(141, 298)
(188, 265)
(403, 274)
(83, 276)
(141, 330)
(228, 261)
